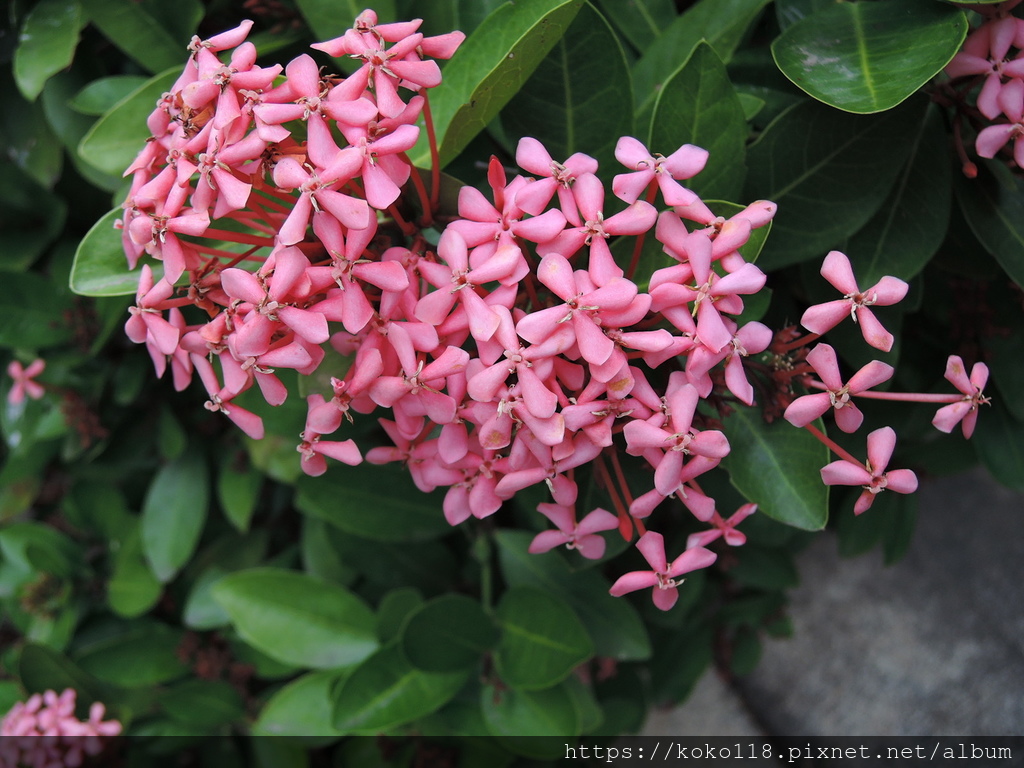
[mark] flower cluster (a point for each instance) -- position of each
(993, 56)
(511, 350)
(43, 732)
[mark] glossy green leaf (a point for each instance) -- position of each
(789, 12)
(298, 619)
(492, 64)
(101, 95)
(174, 513)
(33, 216)
(376, 502)
(911, 224)
(132, 589)
(229, 553)
(118, 137)
(514, 716)
(143, 37)
(764, 568)
(699, 106)
(869, 57)
(448, 634)
(301, 708)
(828, 172)
(141, 654)
(642, 22)
(202, 704)
(319, 556)
(542, 641)
(394, 608)
(101, 267)
(614, 625)
(721, 23)
(442, 16)
(993, 205)
(1005, 358)
(386, 691)
(46, 44)
(564, 104)
(777, 466)
(999, 441)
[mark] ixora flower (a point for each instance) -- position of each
(664, 578)
(855, 302)
(44, 731)
(24, 381)
(965, 411)
(872, 475)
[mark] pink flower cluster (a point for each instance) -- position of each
(43, 732)
(511, 353)
(993, 54)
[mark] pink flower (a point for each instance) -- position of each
(725, 529)
(581, 536)
(806, 409)
(685, 162)
(823, 317)
(44, 731)
(872, 475)
(664, 577)
(965, 410)
(23, 381)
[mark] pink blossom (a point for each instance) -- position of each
(872, 475)
(685, 162)
(855, 303)
(664, 577)
(725, 529)
(24, 383)
(43, 731)
(963, 411)
(806, 409)
(581, 536)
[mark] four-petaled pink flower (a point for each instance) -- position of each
(24, 383)
(664, 576)
(581, 536)
(872, 475)
(855, 302)
(725, 529)
(965, 410)
(806, 409)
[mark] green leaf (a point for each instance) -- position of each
(386, 691)
(721, 23)
(642, 22)
(138, 34)
(118, 137)
(332, 18)
(46, 44)
(31, 146)
(828, 172)
(101, 95)
(298, 619)
(614, 625)
(394, 608)
(141, 654)
(699, 106)
(301, 708)
(777, 466)
(764, 568)
(1005, 357)
(376, 502)
(491, 65)
(319, 556)
(999, 441)
(514, 715)
(229, 553)
(38, 547)
(448, 634)
(238, 489)
(174, 513)
(993, 205)
(39, 320)
(43, 669)
(869, 57)
(101, 267)
(542, 641)
(132, 589)
(911, 224)
(564, 103)
(789, 12)
(202, 704)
